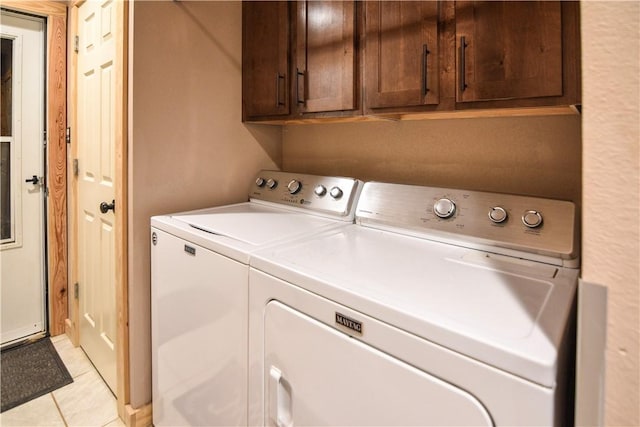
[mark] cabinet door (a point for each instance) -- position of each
(325, 63)
(401, 53)
(508, 49)
(265, 59)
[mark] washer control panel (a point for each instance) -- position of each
(471, 218)
(324, 194)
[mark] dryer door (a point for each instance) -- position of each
(316, 375)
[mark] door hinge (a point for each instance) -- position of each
(76, 290)
(44, 137)
(76, 44)
(76, 167)
(68, 136)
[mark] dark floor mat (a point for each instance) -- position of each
(29, 371)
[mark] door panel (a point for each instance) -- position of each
(96, 148)
(265, 59)
(326, 56)
(316, 375)
(401, 60)
(22, 204)
(512, 49)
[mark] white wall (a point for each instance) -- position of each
(611, 186)
(187, 146)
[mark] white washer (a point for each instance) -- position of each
(438, 307)
(199, 275)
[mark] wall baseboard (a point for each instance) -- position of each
(139, 417)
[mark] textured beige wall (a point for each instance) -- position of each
(537, 156)
(611, 164)
(188, 147)
(186, 134)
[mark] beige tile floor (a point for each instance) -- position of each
(86, 402)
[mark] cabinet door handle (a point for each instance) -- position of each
(300, 99)
(425, 53)
(463, 67)
(278, 78)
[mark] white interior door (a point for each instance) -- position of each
(96, 160)
(22, 186)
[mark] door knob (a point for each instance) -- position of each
(34, 179)
(105, 207)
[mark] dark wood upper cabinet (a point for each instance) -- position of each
(326, 71)
(510, 50)
(265, 59)
(337, 59)
(401, 53)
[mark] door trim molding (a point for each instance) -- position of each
(121, 194)
(56, 89)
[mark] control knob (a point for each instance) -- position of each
(260, 182)
(294, 186)
(532, 219)
(320, 190)
(272, 183)
(497, 214)
(335, 192)
(444, 208)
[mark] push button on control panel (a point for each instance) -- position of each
(497, 214)
(532, 219)
(335, 192)
(272, 183)
(320, 190)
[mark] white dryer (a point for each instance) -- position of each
(199, 290)
(438, 307)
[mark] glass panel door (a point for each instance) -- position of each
(22, 178)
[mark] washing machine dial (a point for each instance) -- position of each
(260, 182)
(532, 219)
(444, 208)
(336, 193)
(497, 214)
(320, 190)
(294, 186)
(272, 183)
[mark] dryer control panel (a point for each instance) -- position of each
(496, 222)
(335, 196)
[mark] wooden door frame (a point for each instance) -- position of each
(130, 416)
(55, 14)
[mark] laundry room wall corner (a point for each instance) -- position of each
(611, 172)
(188, 147)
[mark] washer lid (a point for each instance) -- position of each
(508, 312)
(252, 223)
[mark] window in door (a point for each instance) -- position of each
(7, 234)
